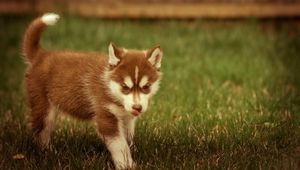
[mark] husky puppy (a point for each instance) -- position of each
(111, 89)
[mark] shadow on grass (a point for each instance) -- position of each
(75, 148)
(69, 148)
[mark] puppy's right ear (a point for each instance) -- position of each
(154, 56)
(114, 55)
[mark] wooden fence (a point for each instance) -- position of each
(129, 9)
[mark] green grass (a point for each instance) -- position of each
(229, 98)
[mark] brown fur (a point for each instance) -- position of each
(31, 41)
(108, 89)
(61, 79)
(133, 58)
(73, 82)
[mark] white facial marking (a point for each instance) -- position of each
(154, 88)
(144, 100)
(127, 99)
(143, 81)
(136, 74)
(50, 18)
(128, 102)
(128, 82)
(115, 89)
(112, 59)
(136, 98)
(155, 58)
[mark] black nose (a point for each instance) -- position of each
(137, 107)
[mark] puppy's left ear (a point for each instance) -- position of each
(154, 56)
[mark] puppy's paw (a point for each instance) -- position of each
(128, 165)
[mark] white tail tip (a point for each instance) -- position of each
(50, 18)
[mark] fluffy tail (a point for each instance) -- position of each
(31, 41)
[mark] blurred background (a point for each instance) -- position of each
(158, 8)
(229, 97)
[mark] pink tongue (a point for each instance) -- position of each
(135, 113)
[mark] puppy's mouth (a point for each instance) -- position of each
(135, 112)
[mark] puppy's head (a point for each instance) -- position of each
(134, 76)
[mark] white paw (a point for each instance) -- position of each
(127, 165)
(50, 18)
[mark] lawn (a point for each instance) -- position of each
(229, 98)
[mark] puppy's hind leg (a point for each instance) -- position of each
(49, 123)
(41, 120)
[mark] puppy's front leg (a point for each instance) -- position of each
(119, 151)
(129, 125)
(111, 131)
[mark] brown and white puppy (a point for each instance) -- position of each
(111, 90)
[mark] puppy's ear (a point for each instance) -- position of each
(154, 56)
(115, 55)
